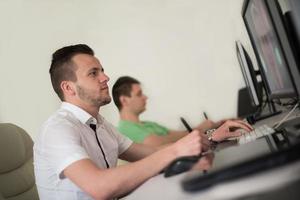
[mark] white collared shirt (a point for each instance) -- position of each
(65, 138)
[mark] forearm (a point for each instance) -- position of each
(173, 136)
(205, 125)
(128, 177)
(137, 151)
(154, 140)
(115, 182)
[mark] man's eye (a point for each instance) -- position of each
(93, 73)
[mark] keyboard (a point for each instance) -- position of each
(258, 132)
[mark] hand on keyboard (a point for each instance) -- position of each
(240, 133)
(229, 129)
(258, 132)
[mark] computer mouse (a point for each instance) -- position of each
(180, 165)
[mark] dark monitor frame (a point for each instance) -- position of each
(292, 18)
(249, 74)
(278, 27)
(295, 21)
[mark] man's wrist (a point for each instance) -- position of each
(209, 134)
(172, 151)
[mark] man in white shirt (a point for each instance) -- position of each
(76, 151)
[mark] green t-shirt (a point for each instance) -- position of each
(138, 132)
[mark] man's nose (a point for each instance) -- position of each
(104, 77)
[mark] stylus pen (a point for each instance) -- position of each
(205, 115)
(187, 126)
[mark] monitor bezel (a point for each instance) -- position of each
(295, 23)
(248, 77)
(270, 94)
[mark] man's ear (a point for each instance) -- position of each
(68, 88)
(124, 100)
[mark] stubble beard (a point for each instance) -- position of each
(87, 96)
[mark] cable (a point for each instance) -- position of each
(286, 117)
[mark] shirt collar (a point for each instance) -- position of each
(83, 116)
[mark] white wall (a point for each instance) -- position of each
(182, 51)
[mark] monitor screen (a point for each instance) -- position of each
(268, 50)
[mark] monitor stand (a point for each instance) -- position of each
(252, 119)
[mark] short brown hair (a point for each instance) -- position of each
(62, 68)
(122, 87)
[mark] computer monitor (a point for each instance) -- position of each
(295, 15)
(292, 19)
(271, 46)
(249, 74)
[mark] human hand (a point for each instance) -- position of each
(230, 128)
(222, 121)
(192, 144)
(209, 124)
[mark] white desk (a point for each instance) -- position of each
(160, 187)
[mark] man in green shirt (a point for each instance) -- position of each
(138, 132)
(131, 102)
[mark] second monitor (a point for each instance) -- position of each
(268, 46)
